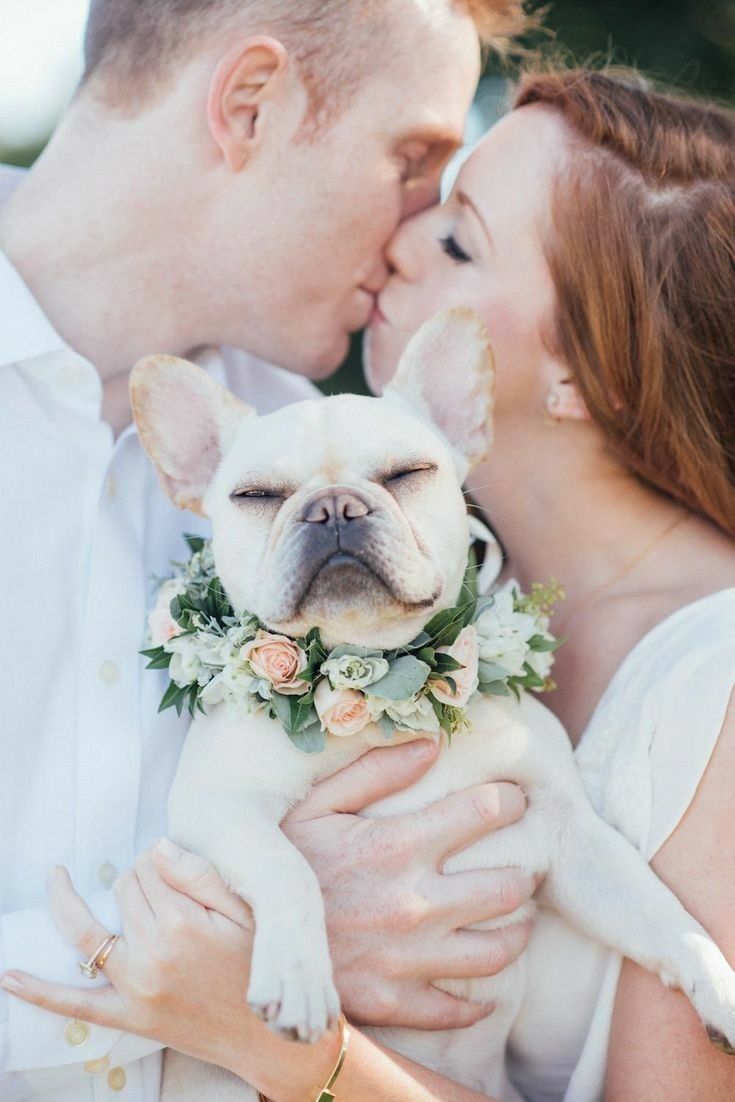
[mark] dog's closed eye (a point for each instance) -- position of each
(258, 495)
(408, 475)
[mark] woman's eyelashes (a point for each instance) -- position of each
(454, 250)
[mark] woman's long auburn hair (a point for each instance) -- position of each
(642, 254)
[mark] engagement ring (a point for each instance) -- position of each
(92, 967)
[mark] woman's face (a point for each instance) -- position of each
(483, 248)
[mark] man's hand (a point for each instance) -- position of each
(396, 923)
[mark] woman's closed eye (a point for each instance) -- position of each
(454, 250)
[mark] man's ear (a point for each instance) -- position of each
(447, 374)
(246, 79)
(186, 422)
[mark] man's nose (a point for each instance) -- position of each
(336, 508)
(407, 247)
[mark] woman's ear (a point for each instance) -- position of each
(247, 79)
(565, 403)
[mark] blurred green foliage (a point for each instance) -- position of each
(689, 43)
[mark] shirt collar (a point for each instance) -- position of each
(26, 332)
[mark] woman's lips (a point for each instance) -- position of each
(378, 317)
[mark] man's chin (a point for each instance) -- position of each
(319, 364)
(379, 366)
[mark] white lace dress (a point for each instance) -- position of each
(641, 758)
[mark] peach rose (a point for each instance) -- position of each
(279, 660)
(465, 649)
(161, 624)
(342, 711)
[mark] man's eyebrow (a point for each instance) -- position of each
(465, 200)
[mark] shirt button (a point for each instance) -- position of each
(72, 374)
(76, 1033)
(117, 1079)
(94, 1067)
(108, 672)
(107, 874)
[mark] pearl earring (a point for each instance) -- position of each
(550, 414)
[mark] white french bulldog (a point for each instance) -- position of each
(347, 514)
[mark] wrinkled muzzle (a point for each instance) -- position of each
(344, 547)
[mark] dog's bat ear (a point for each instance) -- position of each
(186, 422)
(447, 374)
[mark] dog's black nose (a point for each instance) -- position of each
(336, 508)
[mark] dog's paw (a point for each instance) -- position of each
(710, 985)
(291, 985)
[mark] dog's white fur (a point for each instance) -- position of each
(237, 779)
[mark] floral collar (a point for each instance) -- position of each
(499, 644)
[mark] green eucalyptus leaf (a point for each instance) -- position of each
(543, 645)
(406, 676)
(387, 726)
(296, 713)
(494, 688)
(312, 740)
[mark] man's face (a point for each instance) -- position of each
(302, 272)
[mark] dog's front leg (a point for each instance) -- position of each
(291, 984)
(603, 884)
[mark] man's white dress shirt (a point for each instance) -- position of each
(86, 760)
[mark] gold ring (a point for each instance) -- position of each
(92, 967)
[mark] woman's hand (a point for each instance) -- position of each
(396, 923)
(179, 973)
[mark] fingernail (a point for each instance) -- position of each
(168, 850)
(422, 748)
(10, 983)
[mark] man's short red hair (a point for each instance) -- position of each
(132, 46)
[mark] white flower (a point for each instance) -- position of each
(541, 662)
(414, 714)
(352, 672)
(504, 634)
(194, 658)
(233, 685)
(161, 624)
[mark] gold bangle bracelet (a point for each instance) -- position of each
(325, 1094)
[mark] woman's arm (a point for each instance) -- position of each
(658, 1048)
(375, 1073)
